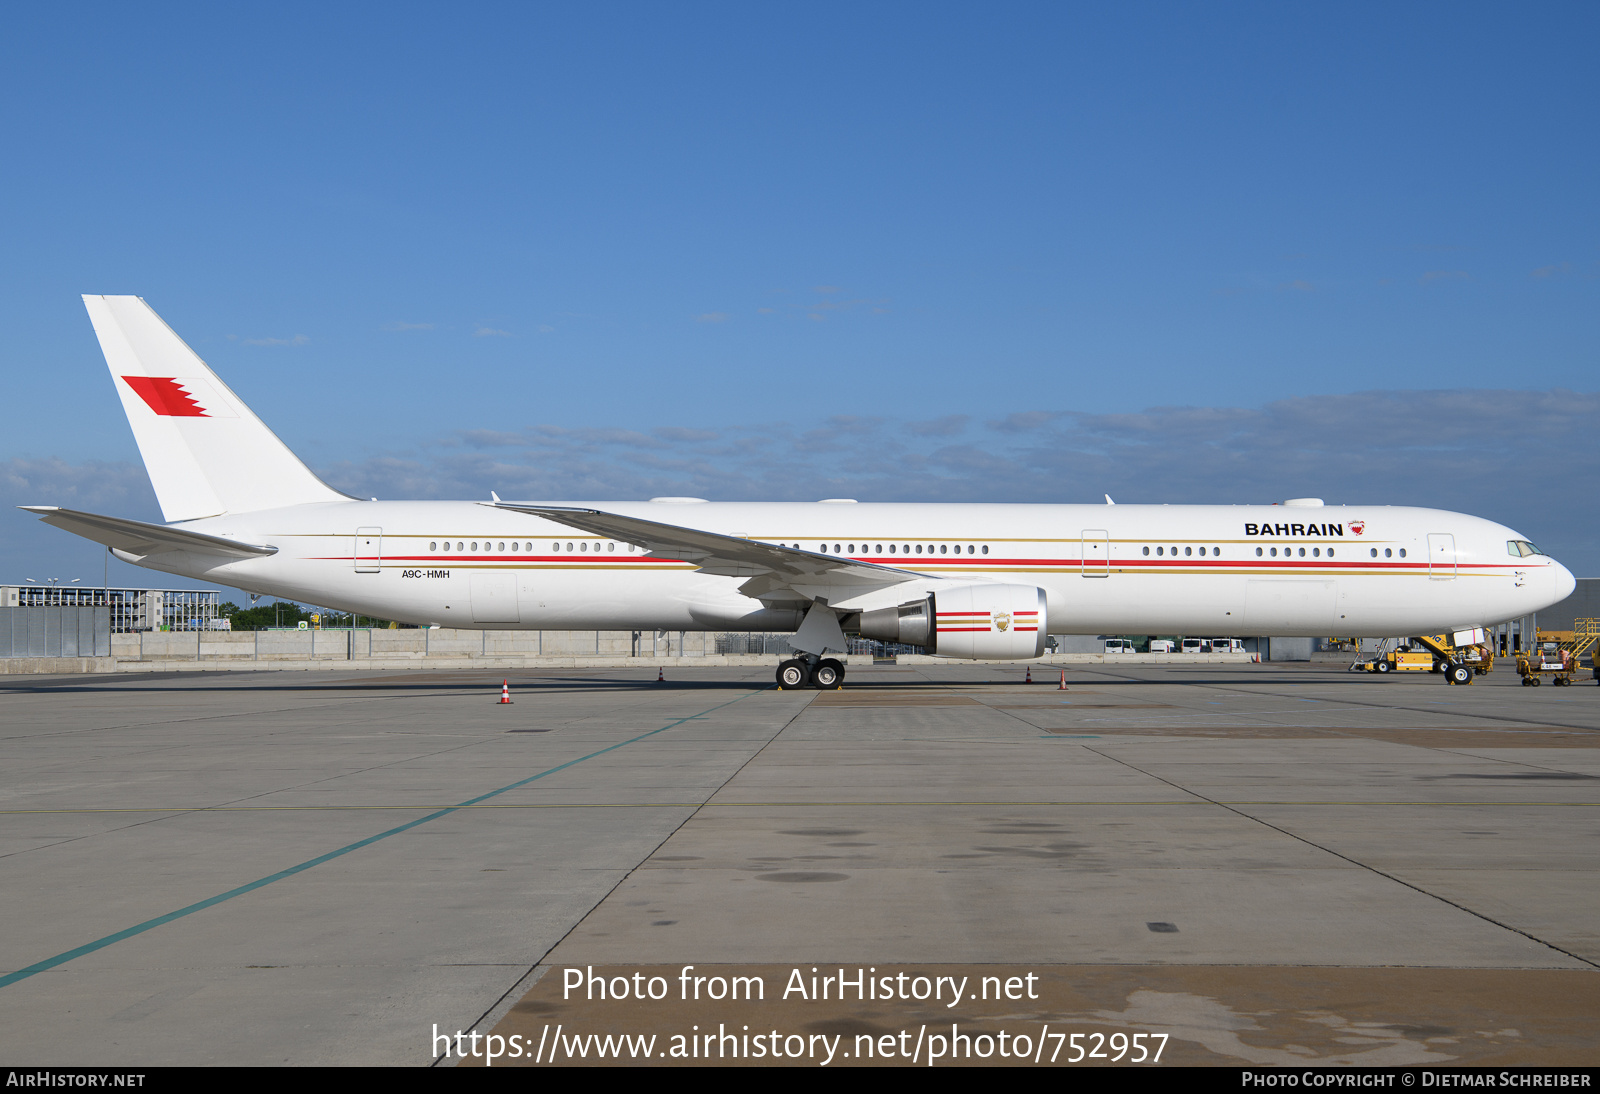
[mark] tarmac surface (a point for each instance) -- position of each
(1252, 864)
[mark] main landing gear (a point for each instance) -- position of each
(824, 674)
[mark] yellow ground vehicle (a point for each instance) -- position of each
(1556, 654)
(1436, 653)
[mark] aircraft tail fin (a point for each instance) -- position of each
(204, 450)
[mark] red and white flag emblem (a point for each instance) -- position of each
(179, 396)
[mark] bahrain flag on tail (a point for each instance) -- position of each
(179, 396)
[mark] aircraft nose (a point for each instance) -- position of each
(1562, 582)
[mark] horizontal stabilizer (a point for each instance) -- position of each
(138, 538)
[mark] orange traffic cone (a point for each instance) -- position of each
(1063, 686)
(505, 693)
(661, 675)
(1028, 679)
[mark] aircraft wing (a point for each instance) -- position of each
(138, 538)
(771, 566)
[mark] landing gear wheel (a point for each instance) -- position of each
(792, 674)
(1458, 674)
(1385, 666)
(827, 674)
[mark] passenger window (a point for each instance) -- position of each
(1258, 552)
(1387, 553)
(1402, 552)
(1147, 550)
(985, 548)
(1188, 551)
(1159, 550)
(433, 545)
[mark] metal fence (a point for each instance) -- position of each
(736, 642)
(55, 632)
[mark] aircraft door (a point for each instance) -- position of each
(369, 550)
(1441, 556)
(494, 597)
(1096, 552)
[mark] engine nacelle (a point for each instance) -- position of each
(983, 622)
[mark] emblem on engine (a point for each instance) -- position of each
(1002, 620)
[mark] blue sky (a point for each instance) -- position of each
(1025, 251)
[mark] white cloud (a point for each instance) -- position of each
(1464, 450)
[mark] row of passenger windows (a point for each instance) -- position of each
(1316, 552)
(900, 548)
(1288, 552)
(583, 546)
(556, 548)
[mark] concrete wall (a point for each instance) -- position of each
(402, 645)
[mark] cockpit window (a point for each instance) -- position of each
(1521, 548)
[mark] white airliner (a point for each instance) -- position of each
(962, 580)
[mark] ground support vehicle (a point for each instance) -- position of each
(1459, 656)
(1556, 654)
(1549, 658)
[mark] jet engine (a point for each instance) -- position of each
(983, 622)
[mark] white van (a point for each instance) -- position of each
(1119, 645)
(1227, 645)
(1160, 645)
(1193, 645)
